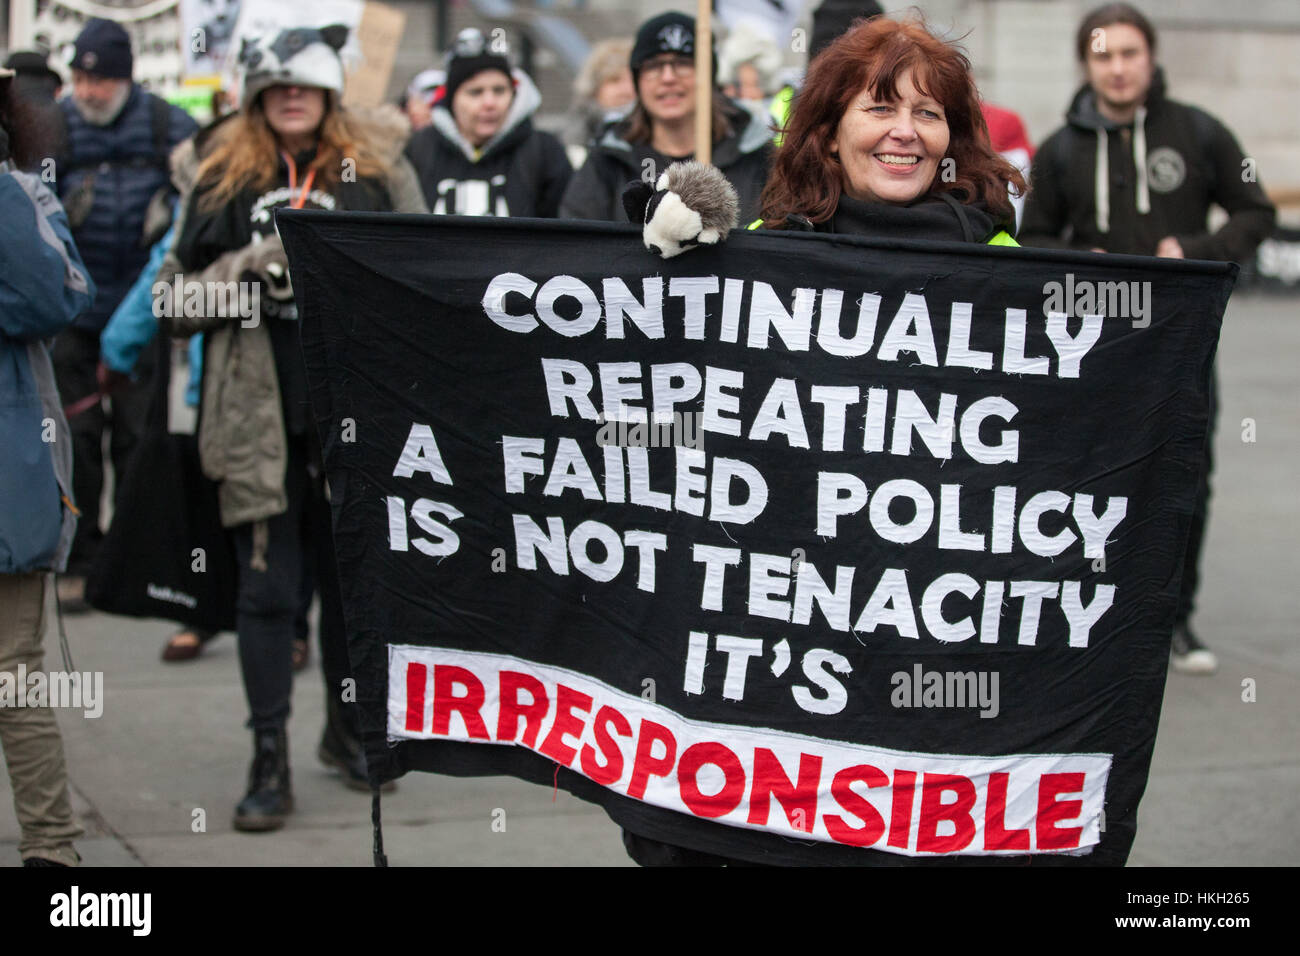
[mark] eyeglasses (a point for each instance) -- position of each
(679, 65)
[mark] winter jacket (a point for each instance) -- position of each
(596, 190)
(133, 324)
(44, 285)
(521, 171)
(931, 217)
(1098, 185)
(243, 435)
(123, 167)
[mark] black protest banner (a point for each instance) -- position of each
(801, 549)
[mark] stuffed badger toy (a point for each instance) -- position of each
(691, 204)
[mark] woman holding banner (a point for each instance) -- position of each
(660, 129)
(292, 145)
(886, 139)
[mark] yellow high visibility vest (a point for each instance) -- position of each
(1000, 238)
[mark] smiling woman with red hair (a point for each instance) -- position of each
(886, 137)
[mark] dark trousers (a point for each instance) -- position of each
(299, 546)
(1200, 518)
(76, 356)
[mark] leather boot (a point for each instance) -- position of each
(269, 799)
(344, 752)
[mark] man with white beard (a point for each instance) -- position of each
(115, 184)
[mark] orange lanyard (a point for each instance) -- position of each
(297, 203)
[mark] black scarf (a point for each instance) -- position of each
(940, 217)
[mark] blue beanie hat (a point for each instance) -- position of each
(104, 49)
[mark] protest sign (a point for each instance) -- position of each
(800, 549)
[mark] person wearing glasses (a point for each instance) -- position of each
(660, 130)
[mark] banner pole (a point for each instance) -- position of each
(704, 81)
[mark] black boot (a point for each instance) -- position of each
(339, 748)
(269, 799)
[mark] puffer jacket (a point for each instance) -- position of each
(521, 171)
(120, 166)
(1098, 185)
(596, 190)
(243, 443)
(44, 285)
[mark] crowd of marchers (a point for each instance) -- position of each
(883, 134)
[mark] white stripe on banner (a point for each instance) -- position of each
(916, 804)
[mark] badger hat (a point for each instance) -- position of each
(670, 32)
(300, 56)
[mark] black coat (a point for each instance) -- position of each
(127, 167)
(1190, 161)
(520, 172)
(596, 191)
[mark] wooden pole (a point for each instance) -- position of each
(704, 81)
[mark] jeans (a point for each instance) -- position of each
(299, 545)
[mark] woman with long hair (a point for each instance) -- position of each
(290, 145)
(886, 138)
(660, 129)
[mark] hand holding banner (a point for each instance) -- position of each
(798, 549)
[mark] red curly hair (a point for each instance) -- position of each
(807, 178)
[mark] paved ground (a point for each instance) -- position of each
(170, 753)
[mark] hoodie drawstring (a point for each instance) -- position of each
(1102, 185)
(1140, 158)
(1103, 180)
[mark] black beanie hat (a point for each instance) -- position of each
(470, 56)
(31, 63)
(670, 32)
(104, 49)
(834, 17)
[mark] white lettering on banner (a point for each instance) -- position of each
(778, 320)
(784, 414)
(914, 804)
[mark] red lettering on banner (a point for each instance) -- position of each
(733, 787)
(900, 814)
(996, 836)
(645, 764)
(770, 781)
(873, 827)
(613, 767)
(934, 811)
(416, 675)
(1051, 810)
(565, 723)
(510, 710)
(445, 677)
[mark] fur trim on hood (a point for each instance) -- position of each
(526, 101)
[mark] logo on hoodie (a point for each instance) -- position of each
(1166, 169)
